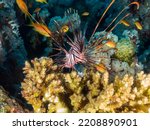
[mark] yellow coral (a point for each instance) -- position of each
(49, 90)
(123, 95)
(42, 87)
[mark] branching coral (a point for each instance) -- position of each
(123, 95)
(49, 90)
(43, 87)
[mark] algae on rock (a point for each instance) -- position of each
(9, 104)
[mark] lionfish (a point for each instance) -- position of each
(80, 50)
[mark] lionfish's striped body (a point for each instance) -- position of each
(80, 51)
(76, 52)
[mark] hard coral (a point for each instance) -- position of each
(49, 90)
(43, 87)
(125, 50)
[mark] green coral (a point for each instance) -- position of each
(49, 90)
(125, 50)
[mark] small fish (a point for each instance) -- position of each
(85, 14)
(42, 1)
(111, 44)
(136, 3)
(101, 68)
(138, 25)
(23, 7)
(64, 29)
(42, 29)
(124, 22)
(37, 10)
(99, 46)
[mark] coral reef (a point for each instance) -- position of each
(125, 50)
(9, 104)
(49, 90)
(46, 92)
(143, 15)
(12, 50)
(46, 85)
(129, 94)
(70, 16)
(121, 59)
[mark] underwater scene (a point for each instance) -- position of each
(74, 56)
